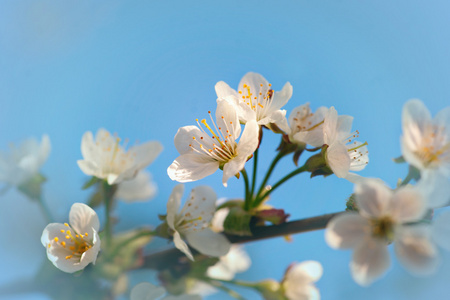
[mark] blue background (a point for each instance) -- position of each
(145, 68)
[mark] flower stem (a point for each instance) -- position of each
(269, 172)
(108, 194)
(247, 194)
(255, 168)
(260, 198)
(130, 240)
(45, 210)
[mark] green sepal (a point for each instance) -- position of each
(96, 198)
(232, 203)
(238, 222)
(351, 203)
(399, 160)
(90, 182)
(32, 187)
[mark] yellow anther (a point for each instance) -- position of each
(86, 234)
(63, 243)
(62, 231)
(56, 239)
(67, 237)
(72, 248)
(68, 256)
(65, 224)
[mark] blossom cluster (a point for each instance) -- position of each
(206, 230)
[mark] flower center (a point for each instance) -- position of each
(436, 146)
(221, 145)
(383, 228)
(259, 101)
(74, 243)
(356, 149)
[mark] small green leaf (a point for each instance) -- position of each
(351, 203)
(238, 222)
(399, 160)
(90, 182)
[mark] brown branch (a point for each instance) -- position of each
(164, 259)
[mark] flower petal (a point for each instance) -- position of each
(140, 188)
(370, 261)
(346, 230)
(407, 205)
(415, 250)
(441, 230)
(146, 291)
(280, 98)
(208, 242)
(83, 219)
(88, 167)
(181, 245)
(227, 119)
(373, 198)
(201, 203)
(145, 153)
(223, 90)
(435, 188)
(338, 159)
(173, 205)
(191, 167)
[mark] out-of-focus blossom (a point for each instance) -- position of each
(192, 222)
(235, 261)
(24, 161)
(72, 247)
(298, 282)
(384, 217)
(426, 146)
(148, 291)
(441, 230)
(104, 158)
(256, 100)
(343, 154)
(203, 151)
(140, 188)
(306, 126)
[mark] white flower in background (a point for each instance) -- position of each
(219, 218)
(256, 100)
(202, 154)
(104, 158)
(192, 222)
(24, 161)
(140, 188)
(343, 154)
(441, 230)
(72, 247)
(306, 126)
(298, 282)
(235, 261)
(384, 217)
(148, 291)
(426, 145)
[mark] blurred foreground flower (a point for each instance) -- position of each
(148, 291)
(201, 154)
(193, 221)
(20, 167)
(72, 247)
(140, 188)
(384, 217)
(426, 146)
(256, 100)
(104, 158)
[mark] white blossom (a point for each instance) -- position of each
(298, 282)
(72, 247)
(426, 146)
(148, 291)
(343, 154)
(192, 222)
(140, 188)
(23, 162)
(256, 100)
(307, 127)
(203, 151)
(235, 261)
(384, 217)
(104, 158)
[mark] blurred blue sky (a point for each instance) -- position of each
(145, 68)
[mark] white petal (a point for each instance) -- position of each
(235, 261)
(173, 205)
(415, 250)
(305, 272)
(88, 168)
(280, 98)
(338, 159)
(407, 205)
(90, 256)
(254, 80)
(344, 126)
(209, 242)
(373, 198)
(329, 126)
(181, 245)
(370, 261)
(184, 138)
(114, 178)
(201, 204)
(44, 149)
(146, 291)
(88, 147)
(442, 119)
(83, 218)
(223, 90)
(145, 153)
(227, 119)
(308, 292)
(346, 231)
(249, 139)
(191, 167)
(278, 117)
(435, 188)
(415, 113)
(441, 230)
(140, 188)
